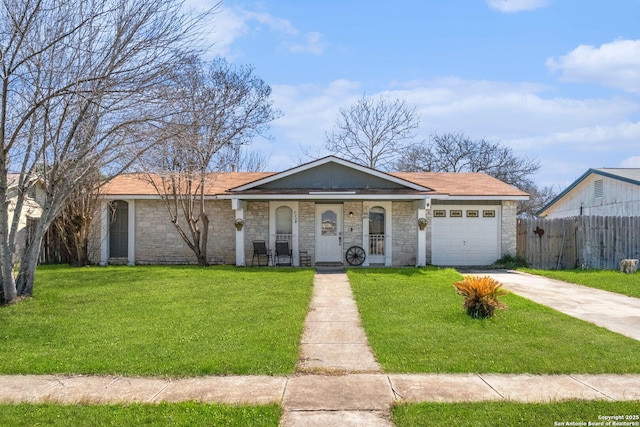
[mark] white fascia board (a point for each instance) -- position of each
(144, 197)
(330, 159)
(324, 196)
(479, 198)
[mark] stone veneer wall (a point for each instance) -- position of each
(307, 228)
(256, 227)
(352, 234)
(508, 227)
(158, 241)
(405, 234)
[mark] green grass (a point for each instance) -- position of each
(168, 321)
(415, 322)
(165, 414)
(512, 414)
(608, 280)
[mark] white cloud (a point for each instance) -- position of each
(631, 162)
(572, 134)
(228, 24)
(512, 6)
(312, 44)
(615, 64)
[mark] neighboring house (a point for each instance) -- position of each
(31, 209)
(322, 208)
(598, 192)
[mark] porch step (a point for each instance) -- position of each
(329, 267)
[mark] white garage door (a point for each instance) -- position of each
(465, 235)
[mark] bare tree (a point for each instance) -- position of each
(218, 109)
(458, 153)
(73, 224)
(373, 131)
(539, 197)
(78, 90)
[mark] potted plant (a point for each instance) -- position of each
(239, 222)
(422, 223)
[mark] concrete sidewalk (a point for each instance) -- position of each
(338, 381)
(616, 312)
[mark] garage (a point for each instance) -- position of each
(465, 235)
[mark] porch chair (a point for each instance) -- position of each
(260, 251)
(283, 253)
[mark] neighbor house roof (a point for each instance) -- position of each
(628, 175)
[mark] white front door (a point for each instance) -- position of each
(328, 233)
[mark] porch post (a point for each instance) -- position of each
(131, 231)
(421, 207)
(239, 206)
(104, 233)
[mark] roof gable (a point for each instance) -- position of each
(628, 175)
(331, 174)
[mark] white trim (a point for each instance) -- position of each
(239, 206)
(480, 198)
(388, 230)
(273, 206)
(326, 196)
(421, 254)
(331, 196)
(104, 234)
(325, 160)
(131, 232)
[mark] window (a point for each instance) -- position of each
(119, 230)
(284, 220)
(598, 189)
(329, 223)
(376, 220)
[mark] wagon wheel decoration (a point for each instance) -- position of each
(355, 255)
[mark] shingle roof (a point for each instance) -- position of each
(454, 184)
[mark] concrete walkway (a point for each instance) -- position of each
(338, 382)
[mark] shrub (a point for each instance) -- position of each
(480, 296)
(511, 262)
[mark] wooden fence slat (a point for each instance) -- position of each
(578, 242)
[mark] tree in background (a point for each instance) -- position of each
(374, 131)
(79, 91)
(455, 152)
(217, 109)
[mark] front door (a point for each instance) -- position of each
(328, 233)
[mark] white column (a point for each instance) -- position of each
(131, 244)
(104, 233)
(239, 206)
(421, 207)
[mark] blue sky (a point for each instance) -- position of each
(555, 80)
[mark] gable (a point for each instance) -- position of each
(597, 188)
(331, 176)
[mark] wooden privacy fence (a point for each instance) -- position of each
(597, 242)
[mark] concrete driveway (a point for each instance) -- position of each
(616, 312)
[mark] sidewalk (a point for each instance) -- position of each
(338, 381)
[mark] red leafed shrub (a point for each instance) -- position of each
(480, 296)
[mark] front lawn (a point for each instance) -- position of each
(167, 321)
(608, 280)
(415, 323)
(185, 414)
(569, 413)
